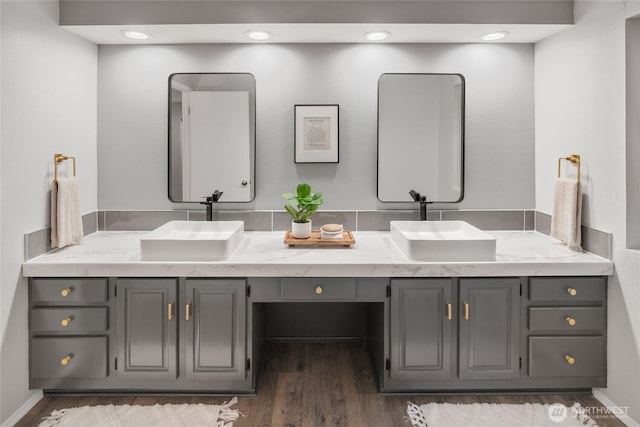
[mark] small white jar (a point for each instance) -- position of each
(331, 231)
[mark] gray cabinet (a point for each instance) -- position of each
(69, 319)
(69, 357)
(536, 333)
(318, 289)
(567, 330)
(424, 334)
(69, 331)
(147, 327)
(421, 329)
(567, 356)
(438, 325)
(567, 319)
(567, 289)
(211, 314)
(215, 329)
(489, 329)
(68, 291)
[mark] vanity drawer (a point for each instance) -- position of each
(318, 289)
(552, 356)
(69, 319)
(566, 319)
(567, 289)
(68, 290)
(69, 357)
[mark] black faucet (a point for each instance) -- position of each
(209, 201)
(423, 203)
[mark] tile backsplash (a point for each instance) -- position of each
(39, 241)
(351, 220)
(491, 220)
(594, 241)
(139, 220)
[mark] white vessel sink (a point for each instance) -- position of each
(443, 241)
(192, 241)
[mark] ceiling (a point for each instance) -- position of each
(315, 33)
(315, 21)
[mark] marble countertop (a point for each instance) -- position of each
(264, 254)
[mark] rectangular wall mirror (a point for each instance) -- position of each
(212, 139)
(421, 137)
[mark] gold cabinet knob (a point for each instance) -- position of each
(572, 292)
(66, 292)
(319, 289)
(65, 322)
(570, 320)
(570, 360)
(65, 360)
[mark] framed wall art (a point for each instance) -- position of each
(316, 133)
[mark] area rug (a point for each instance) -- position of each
(497, 415)
(142, 416)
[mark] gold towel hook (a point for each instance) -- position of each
(59, 158)
(575, 159)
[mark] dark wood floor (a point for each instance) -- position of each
(314, 384)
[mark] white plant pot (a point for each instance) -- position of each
(301, 230)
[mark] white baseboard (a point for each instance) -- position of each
(604, 399)
(23, 410)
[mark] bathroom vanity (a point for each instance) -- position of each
(103, 320)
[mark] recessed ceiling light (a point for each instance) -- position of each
(376, 36)
(494, 36)
(135, 34)
(259, 35)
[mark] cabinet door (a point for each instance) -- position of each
(147, 328)
(489, 328)
(421, 326)
(215, 329)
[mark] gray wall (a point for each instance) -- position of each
(162, 12)
(132, 117)
(580, 108)
(633, 131)
(48, 106)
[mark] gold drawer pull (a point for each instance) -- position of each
(170, 308)
(65, 322)
(572, 292)
(66, 292)
(319, 289)
(65, 360)
(570, 320)
(466, 310)
(570, 360)
(449, 317)
(187, 311)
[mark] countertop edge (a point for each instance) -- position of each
(262, 254)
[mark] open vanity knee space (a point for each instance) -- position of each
(513, 324)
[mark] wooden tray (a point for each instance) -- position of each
(315, 240)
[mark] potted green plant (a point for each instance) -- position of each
(301, 206)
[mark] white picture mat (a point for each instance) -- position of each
(319, 121)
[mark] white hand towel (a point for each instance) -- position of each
(566, 222)
(66, 222)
